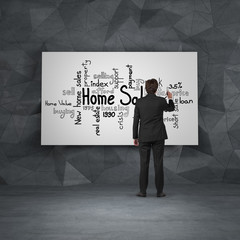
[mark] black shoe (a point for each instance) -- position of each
(162, 194)
(141, 194)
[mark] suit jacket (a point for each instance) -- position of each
(149, 112)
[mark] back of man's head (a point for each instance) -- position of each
(151, 85)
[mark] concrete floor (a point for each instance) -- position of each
(114, 212)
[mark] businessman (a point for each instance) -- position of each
(151, 134)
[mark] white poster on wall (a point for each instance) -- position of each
(88, 98)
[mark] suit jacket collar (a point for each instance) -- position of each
(151, 95)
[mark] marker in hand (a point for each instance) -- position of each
(167, 91)
(169, 95)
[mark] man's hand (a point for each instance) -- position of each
(135, 142)
(169, 95)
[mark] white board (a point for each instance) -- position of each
(88, 97)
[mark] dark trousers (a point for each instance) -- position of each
(145, 150)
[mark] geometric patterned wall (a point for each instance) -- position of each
(212, 28)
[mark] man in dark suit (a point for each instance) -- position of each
(151, 134)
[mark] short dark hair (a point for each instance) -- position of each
(151, 85)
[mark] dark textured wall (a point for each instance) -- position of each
(28, 27)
